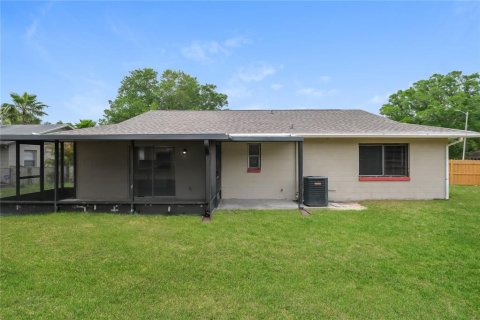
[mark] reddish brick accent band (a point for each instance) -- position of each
(253, 170)
(383, 178)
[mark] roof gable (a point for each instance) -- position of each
(32, 129)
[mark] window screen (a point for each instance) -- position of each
(395, 160)
(254, 156)
(371, 161)
(154, 171)
(383, 160)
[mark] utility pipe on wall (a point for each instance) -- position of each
(447, 171)
(465, 140)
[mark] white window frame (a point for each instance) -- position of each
(34, 157)
(259, 156)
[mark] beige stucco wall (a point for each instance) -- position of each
(102, 170)
(275, 181)
(4, 156)
(338, 159)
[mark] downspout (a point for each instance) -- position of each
(208, 196)
(447, 167)
(300, 174)
(296, 171)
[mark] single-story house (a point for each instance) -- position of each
(187, 161)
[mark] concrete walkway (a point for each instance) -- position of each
(274, 204)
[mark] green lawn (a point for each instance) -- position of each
(8, 191)
(411, 259)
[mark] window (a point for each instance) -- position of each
(29, 158)
(254, 157)
(384, 161)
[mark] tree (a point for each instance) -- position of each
(180, 91)
(438, 101)
(137, 94)
(25, 109)
(141, 91)
(85, 123)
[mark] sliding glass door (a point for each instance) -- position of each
(154, 171)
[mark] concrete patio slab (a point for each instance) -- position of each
(341, 206)
(257, 204)
(275, 204)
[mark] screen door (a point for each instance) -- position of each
(154, 171)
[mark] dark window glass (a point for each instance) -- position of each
(254, 155)
(143, 171)
(254, 162)
(395, 160)
(383, 160)
(29, 163)
(163, 173)
(371, 160)
(254, 149)
(154, 171)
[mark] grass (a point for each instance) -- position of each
(8, 191)
(410, 259)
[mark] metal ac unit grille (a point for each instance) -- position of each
(315, 191)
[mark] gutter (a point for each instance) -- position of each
(64, 136)
(264, 137)
(388, 135)
(60, 136)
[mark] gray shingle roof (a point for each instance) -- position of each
(31, 129)
(265, 122)
(235, 124)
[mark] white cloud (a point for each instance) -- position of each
(314, 92)
(204, 51)
(255, 73)
(276, 86)
(325, 79)
(31, 29)
(88, 104)
(379, 99)
(236, 42)
(237, 91)
(240, 85)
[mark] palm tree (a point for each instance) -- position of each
(25, 109)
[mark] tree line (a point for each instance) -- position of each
(140, 91)
(441, 100)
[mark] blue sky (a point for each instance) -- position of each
(264, 55)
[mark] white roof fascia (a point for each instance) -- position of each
(357, 135)
(388, 135)
(253, 135)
